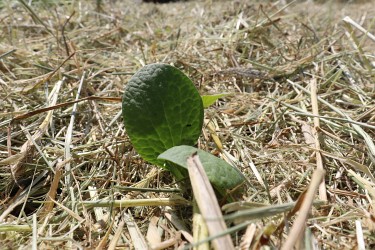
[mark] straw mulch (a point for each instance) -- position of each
(300, 79)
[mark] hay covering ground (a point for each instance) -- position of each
(301, 84)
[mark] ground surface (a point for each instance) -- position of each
(282, 65)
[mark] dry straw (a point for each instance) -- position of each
(300, 83)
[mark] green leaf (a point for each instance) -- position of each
(208, 100)
(222, 175)
(161, 108)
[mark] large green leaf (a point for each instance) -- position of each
(222, 175)
(161, 109)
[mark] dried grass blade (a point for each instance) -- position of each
(153, 237)
(179, 224)
(200, 230)
(276, 12)
(353, 164)
(319, 159)
(207, 203)
(13, 159)
(28, 89)
(215, 137)
(5, 54)
(369, 142)
(299, 225)
(308, 134)
(365, 114)
(69, 133)
(168, 243)
(34, 241)
(359, 27)
(35, 16)
(116, 237)
(303, 112)
(69, 211)
(52, 191)
(36, 146)
(359, 234)
(263, 212)
(14, 228)
(172, 201)
(362, 124)
(21, 197)
(60, 105)
(103, 242)
(370, 187)
(28, 147)
(98, 211)
(139, 241)
(248, 237)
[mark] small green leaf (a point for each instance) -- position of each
(208, 100)
(161, 108)
(222, 175)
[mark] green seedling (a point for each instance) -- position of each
(162, 109)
